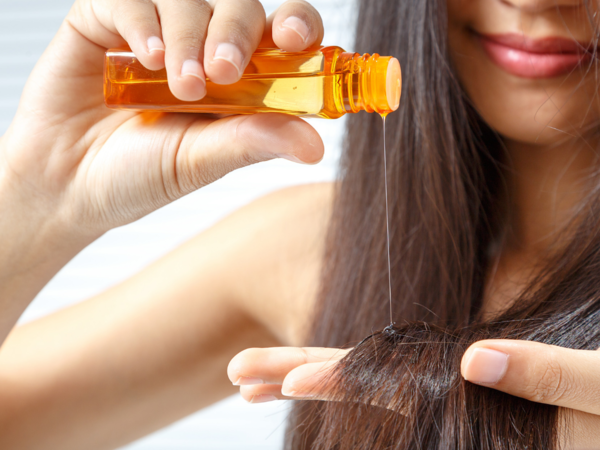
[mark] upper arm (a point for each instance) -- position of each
(272, 261)
(156, 347)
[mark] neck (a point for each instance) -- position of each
(546, 185)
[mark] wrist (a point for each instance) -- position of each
(33, 232)
(35, 212)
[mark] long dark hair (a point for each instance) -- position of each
(446, 195)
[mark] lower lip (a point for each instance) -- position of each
(532, 65)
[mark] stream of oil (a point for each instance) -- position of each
(387, 219)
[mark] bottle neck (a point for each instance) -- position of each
(369, 83)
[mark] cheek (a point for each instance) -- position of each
(531, 111)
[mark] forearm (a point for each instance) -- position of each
(128, 362)
(34, 245)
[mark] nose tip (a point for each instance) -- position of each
(542, 5)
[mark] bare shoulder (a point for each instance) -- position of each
(274, 257)
(309, 201)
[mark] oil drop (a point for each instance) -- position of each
(387, 219)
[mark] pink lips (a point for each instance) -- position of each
(535, 58)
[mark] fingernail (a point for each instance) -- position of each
(485, 366)
(155, 44)
(263, 398)
(298, 25)
(192, 68)
(291, 393)
(290, 158)
(231, 54)
(248, 381)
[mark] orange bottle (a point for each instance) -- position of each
(327, 83)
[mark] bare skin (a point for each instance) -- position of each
(155, 348)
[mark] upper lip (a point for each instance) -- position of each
(546, 45)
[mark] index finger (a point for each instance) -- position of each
(271, 365)
(537, 372)
(294, 26)
(233, 35)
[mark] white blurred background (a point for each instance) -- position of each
(26, 28)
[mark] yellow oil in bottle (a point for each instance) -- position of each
(327, 83)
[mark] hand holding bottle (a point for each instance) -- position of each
(97, 168)
(71, 169)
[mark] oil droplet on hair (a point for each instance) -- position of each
(387, 218)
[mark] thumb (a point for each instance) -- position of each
(209, 152)
(537, 372)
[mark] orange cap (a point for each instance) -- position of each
(393, 84)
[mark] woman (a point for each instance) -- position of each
(155, 348)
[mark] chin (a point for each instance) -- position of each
(529, 128)
(538, 122)
(536, 114)
(533, 134)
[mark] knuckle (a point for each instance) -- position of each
(119, 8)
(185, 16)
(256, 4)
(190, 38)
(242, 33)
(244, 27)
(134, 14)
(134, 20)
(203, 6)
(303, 355)
(552, 385)
(241, 136)
(133, 3)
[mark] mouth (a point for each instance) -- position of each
(526, 57)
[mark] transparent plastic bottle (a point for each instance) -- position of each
(327, 83)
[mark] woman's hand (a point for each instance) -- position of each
(538, 372)
(93, 169)
(71, 169)
(266, 374)
(544, 374)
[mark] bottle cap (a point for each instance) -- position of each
(385, 83)
(393, 84)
